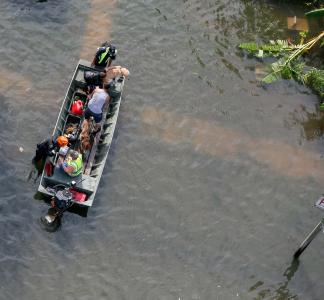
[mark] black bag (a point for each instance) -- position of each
(92, 78)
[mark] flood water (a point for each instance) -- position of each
(211, 180)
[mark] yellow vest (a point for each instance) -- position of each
(77, 165)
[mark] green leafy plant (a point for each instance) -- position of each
(289, 65)
(274, 48)
(285, 62)
(315, 80)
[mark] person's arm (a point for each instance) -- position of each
(96, 58)
(93, 63)
(106, 104)
(92, 93)
(67, 169)
(109, 62)
(112, 68)
(60, 161)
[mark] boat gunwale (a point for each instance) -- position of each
(85, 65)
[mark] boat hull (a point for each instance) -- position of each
(96, 157)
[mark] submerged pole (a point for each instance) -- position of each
(308, 239)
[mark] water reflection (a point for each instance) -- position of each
(40, 265)
(98, 27)
(311, 122)
(282, 292)
(12, 81)
(213, 139)
(97, 30)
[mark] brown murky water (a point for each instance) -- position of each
(210, 183)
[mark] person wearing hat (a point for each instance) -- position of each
(62, 141)
(73, 164)
(104, 56)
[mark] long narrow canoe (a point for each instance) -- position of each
(95, 158)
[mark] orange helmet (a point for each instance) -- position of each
(62, 141)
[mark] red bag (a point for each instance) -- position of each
(77, 107)
(79, 197)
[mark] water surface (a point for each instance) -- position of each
(211, 179)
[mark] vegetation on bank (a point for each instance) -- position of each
(291, 57)
(309, 3)
(290, 63)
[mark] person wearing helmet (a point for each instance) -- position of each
(49, 147)
(72, 164)
(62, 141)
(104, 56)
(94, 78)
(45, 150)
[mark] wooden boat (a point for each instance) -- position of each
(94, 159)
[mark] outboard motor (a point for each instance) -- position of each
(61, 201)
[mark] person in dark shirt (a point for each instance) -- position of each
(104, 56)
(94, 79)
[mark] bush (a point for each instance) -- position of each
(315, 80)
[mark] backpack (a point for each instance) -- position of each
(92, 78)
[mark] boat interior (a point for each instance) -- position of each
(94, 157)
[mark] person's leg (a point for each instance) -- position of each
(87, 114)
(97, 119)
(97, 128)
